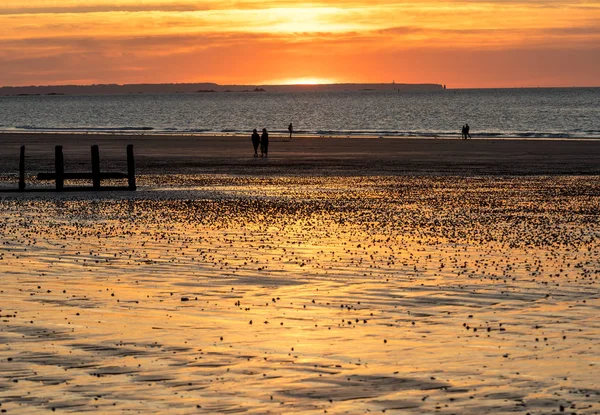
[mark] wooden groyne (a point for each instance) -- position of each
(95, 176)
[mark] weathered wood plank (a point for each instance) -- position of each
(22, 169)
(68, 189)
(59, 168)
(131, 167)
(96, 167)
(82, 176)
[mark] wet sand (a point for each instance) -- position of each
(303, 293)
(307, 155)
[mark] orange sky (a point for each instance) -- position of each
(472, 43)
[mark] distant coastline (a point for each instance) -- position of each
(189, 88)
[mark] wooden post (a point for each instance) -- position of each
(59, 168)
(130, 167)
(96, 167)
(22, 169)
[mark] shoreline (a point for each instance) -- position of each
(284, 135)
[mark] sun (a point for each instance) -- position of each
(303, 81)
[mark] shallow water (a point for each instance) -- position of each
(204, 294)
(516, 112)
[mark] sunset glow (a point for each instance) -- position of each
(460, 43)
(300, 81)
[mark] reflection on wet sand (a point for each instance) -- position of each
(304, 295)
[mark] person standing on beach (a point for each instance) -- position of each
(291, 130)
(264, 143)
(467, 128)
(255, 141)
(463, 133)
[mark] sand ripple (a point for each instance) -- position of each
(204, 294)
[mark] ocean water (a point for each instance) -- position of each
(535, 113)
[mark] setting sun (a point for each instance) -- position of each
(302, 81)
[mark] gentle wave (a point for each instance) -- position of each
(450, 134)
(82, 129)
(319, 133)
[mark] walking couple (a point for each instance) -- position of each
(263, 141)
(465, 131)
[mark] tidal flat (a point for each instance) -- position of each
(203, 294)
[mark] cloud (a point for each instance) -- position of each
(591, 30)
(164, 41)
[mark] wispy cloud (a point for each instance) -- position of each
(142, 38)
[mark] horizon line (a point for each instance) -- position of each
(297, 85)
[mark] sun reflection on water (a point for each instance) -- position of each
(303, 295)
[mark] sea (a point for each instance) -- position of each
(490, 113)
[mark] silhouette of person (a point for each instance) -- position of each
(291, 130)
(467, 128)
(255, 141)
(463, 133)
(264, 143)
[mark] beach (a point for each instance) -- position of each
(328, 156)
(339, 275)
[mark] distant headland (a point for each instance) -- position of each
(189, 88)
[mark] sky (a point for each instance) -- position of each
(464, 44)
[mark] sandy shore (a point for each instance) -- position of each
(313, 156)
(344, 276)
